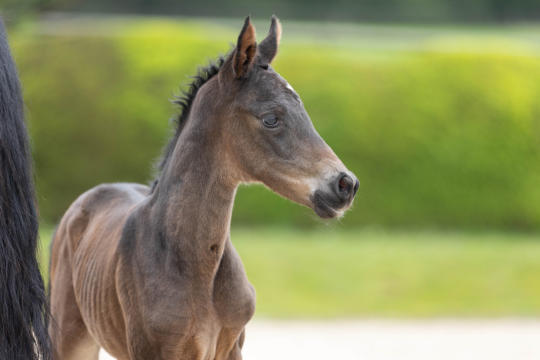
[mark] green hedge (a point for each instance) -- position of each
(437, 136)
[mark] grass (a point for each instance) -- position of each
(358, 273)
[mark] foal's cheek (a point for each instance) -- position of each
(280, 146)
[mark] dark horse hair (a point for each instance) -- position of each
(23, 311)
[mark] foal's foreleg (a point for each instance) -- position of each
(227, 337)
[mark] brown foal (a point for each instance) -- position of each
(151, 273)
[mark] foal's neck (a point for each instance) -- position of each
(194, 199)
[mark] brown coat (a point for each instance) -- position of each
(152, 273)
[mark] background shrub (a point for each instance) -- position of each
(438, 134)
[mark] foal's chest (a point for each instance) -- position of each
(210, 326)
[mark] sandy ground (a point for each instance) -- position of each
(509, 339)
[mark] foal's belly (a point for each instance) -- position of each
(95, 284)
(99, 308)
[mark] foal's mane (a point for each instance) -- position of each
(184, 101)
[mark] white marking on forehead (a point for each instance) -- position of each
(290, 88)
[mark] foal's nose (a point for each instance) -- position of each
(346, 187)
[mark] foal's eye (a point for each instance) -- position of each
(270, 121)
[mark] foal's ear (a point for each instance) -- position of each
(269, 46)
(246, 48)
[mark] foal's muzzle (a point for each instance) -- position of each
(338, 197)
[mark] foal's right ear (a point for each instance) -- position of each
(246, 47)
(269, 46)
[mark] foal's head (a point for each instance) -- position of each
(266, 133)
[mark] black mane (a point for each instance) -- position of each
(23, 312)
(184, 101)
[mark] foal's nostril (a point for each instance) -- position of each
(345, 186)
(356, 185)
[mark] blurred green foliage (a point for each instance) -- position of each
(428, 11)
(444, 133)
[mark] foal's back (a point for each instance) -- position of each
(99, 211)
(84, 257)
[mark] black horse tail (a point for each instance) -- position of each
(23, 306)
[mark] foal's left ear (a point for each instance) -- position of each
(269, 46)
(246, 47)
